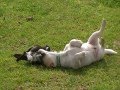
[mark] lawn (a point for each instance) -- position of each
(55, 23)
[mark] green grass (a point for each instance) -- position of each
(55, 23)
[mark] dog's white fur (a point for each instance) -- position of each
(77, 54)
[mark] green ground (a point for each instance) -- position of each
(56, 22)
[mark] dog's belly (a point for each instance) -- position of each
(86, 47)
(89, 58)
(68, 58)
(96, 51)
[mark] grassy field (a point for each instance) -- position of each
(55, 23)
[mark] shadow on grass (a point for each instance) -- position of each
(110, 3)
(81, 71)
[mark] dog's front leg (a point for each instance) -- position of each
(66, 47)
(76, 43)
(73, 43)
(42, 51)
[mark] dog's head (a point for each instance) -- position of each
(35, 57)
(32, 52)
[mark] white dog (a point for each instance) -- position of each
(77, 54)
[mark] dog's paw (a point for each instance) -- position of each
(41, 51)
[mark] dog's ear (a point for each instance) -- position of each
(29, 49)
(35, 48)
(20, 56)
(24, 56)
(17, 55)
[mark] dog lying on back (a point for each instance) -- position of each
(33, 51)
(77, 54)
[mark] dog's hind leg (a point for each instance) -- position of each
(107, 51)
(110, 51)
(94, 38)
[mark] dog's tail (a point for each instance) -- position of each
(110, 51)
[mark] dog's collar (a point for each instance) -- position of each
(58, 60)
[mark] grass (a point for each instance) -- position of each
(55, 23)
